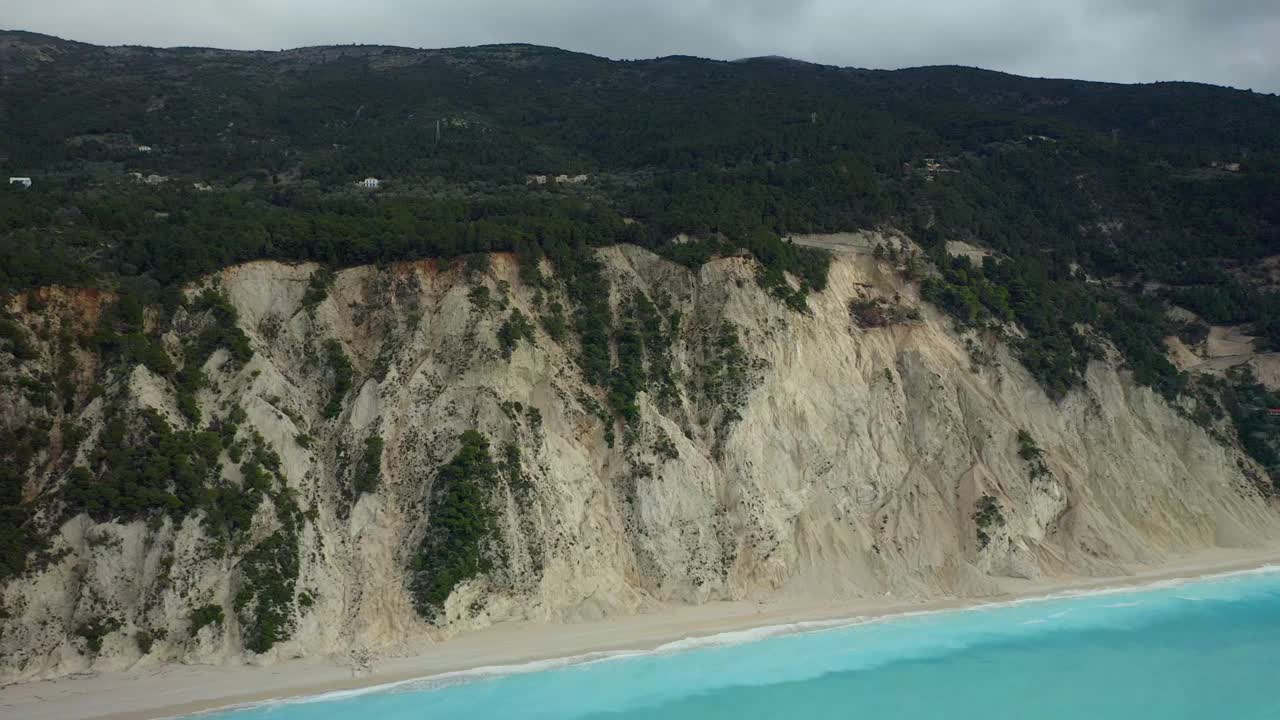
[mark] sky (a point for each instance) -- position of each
(1225, 42)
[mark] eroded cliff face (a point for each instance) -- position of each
(810, 456)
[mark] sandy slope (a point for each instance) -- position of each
(174, 690)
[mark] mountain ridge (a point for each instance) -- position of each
(782, 59)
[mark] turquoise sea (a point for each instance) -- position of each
(1204, 649)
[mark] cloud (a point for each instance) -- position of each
(1228, 42)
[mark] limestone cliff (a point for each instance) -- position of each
(790, 454)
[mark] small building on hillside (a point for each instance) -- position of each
(1233, 167)
(152, 179)
(23, 181)
(556, 179)
(144, 148)
(370, 183)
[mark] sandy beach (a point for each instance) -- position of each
(177, 689)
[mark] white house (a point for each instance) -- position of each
(370, 183)
(23, 181)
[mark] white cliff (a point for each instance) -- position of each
(843, 462)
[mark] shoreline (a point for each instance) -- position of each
(173, 690)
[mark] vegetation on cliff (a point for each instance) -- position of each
(460, 525)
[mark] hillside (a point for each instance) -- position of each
(606, 335)
(1061, 177)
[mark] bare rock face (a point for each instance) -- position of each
(788, 454)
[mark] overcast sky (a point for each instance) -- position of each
(1227, 42)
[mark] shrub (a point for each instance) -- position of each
(512, 467)
(476, 264)
(479, 297)
(18, 533)
(1032, 455)
(318, 286)
(554, 323)
(16, 337)
(1027, 448)
(139, 468)
(206, 615)
(875, 313)
(223, 332)
(461, 524)
(145, 640)
(95, 630)
(342, 377)
(264, 604)
(987, 515)
(514, 329)
(366, 479)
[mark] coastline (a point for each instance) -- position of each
(173, 690)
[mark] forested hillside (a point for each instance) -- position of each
(1102, 203)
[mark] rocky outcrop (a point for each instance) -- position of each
(792, 454)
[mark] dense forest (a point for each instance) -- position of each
(1103, 204)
